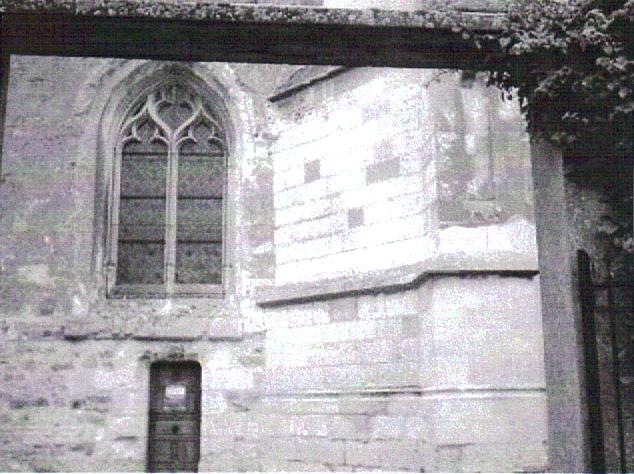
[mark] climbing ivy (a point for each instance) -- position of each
(571, 64)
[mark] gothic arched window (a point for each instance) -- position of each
(166, 234)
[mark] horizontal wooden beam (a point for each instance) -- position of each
(202, 32)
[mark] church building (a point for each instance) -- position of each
(253, 267)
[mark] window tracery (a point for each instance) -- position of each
(169, 184)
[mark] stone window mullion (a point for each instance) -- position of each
(171, 206)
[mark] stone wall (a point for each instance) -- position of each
(441, 373)
(413, 380)
(376, 168)
(352, 176)
(83, 405)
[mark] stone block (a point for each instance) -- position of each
(389, 455)
(262, 265)
(310, 229)
(449, 457)
(380, 350)
(226, 329)
(403, 454)
(311, 171)
(343, 309)
(215, 445)
(120, 427)
(298, 315)
(399, 206)
(292, 380)
(326, 333)
(345, 427)
(355, 217)
(270, 424)
(394, 230)
(308, 211)
(410, 349)
(417, 427)
(288, 356)
(383, 170)
(324, 188)
(381, 191)
(411, 325)
(308, 249)
(288, 178)
(388, 427)
(313, 426)
(231, 379)
(486, 457)
(278, 449)
(492, 327)
(178, 328)
(300, 406)
(84, 328)
(213, 402)
(33, 329)
(371, 306)
(218, 427)
(272, 465)
(496, 419)
(232, 460)
(319, 450)
(402, 303)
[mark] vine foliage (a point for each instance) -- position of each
(571, 62)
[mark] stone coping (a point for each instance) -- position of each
(400, 278)
(481, 15)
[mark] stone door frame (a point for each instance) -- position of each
(299, 35)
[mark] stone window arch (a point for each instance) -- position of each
(167, 224)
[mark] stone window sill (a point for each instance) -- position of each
(160, 292)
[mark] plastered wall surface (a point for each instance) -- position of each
(443, 376)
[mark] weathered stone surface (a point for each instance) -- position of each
(81, 329)
(429, 17)
(343, 310)
(360, 377)
(568, 440)
(183, 328)
(225, 329)
(387, 153)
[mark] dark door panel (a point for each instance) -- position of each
(174, 434)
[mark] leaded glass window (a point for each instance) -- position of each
(169, 191)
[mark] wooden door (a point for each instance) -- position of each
(174, 434)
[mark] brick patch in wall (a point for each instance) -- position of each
(356, 217)
(383, 170)
(311, 171)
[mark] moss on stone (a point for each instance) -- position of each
(438, 14)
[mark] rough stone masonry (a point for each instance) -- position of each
(379, 303)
